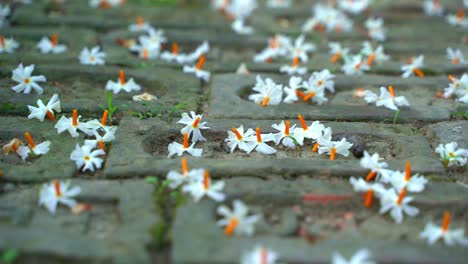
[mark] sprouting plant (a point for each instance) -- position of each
(9, 256)
(159, 111)
(395, 117)
(110, 105)
(460, 113)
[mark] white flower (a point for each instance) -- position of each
(92, 57)
(238, 138)
(72, 125)
(148, 47)
(237, 221)
(177, 179)
(48, 110)
(378, 56)
(314, 131)
(260, 254)
(397, 204)
(260, 145)
(433, 233)
(433, 8)
(7, 45)
(363, 256)
(269, 93)
(314, 90)
(334, 147)
(459, 87)
(291, 91)
(240, 28)
(199, 73)
(387, 98)
(413, 183)
(86, 158)
(300, 49)
(179, 149)
(99, 140)
(32, 148)
(204, 187)
(58, 192)
(51, 45)
(293, 69)
(328, 18)
(122, 84)
(140, 25)
(285, 134)
(458, 19)
(360, 185)
(337, 51)
(323, 80)
(175, 56)
(451, 156)
(105, 3)
(376, 167)
(354, 6)
(414, 67)
(375, 29)
(354, 65)
(455, 56)
(22, 75)
(199, 51)
(193, 125)
(241, 9)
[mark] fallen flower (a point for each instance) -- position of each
(455, 56)
(144, 97)
(12, 146)
(140, 25)
(326, 145)
(337, 52)
(259, 255)
(238, 138)
(387, 98)
(179, 149)
(269, 93)
(285, 134)
(72, 125)
(193, 126)
(397, 204)
(58, 192)
(377, 168)
(204, 187)
(32, 148)
(92, 57)
(414, 67)
(22, 75)
(314, 131)
(43, 111)
(51, 45)
(458, 19)
(260, 145)
(197, 70)
(122, 84)
(371, 189)
(7, 45)
(354, 65)
(363, 256)
(237, 221)
(86, 158)
(433, 8)
(451, 156)
(413, 183)
(433, 233)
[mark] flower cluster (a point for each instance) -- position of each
(386, 98)
(394, 197)
(192, 128)
(327, 18)
(289, 136)
(451, 156)
(313, 89)
(356, 64)
(458, 88)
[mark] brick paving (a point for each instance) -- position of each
(127, 222)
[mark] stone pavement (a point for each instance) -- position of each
(130, 222)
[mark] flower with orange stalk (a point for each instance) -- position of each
(323, 79)
(285, 134)
(328, 18)
(359, 93)
(362, 256)
(140, 25)
(326, 145)
(105, 4)
(259, 255)
(197, 69)
(241, 28)
(12, 146)
(86, 158)
(72, 125)
(314, 131)
(260, 145)
(375, 29)
(26, 82)
(93, 56)
(174, 55)
(43, 111)
(414, 67)
(122, 84)
(292, 90)
(268, 92)
(300, 49)
(237, 221)
(377, 168)
(433, 233)
(99, 125)
(32, 148)
(202, 49)
(193, 126)
(51, 45)
(451, 155)
(177, 179)
(387, 98)
(277, 47)
(337, 52)
(458, 19)
(314, 90)
(371, 189)
(455, 56)
(458, 87)
(374, 56)
(204, 187)
(397, 204)
(179, 149)
(293, 68)
(8, 45)
(100, 141)
(355, 65)
(58, 192)
(433, 8)
(354, 6)
(243, 140)
(148, 47)
(412, 183)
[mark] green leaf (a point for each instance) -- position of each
(152, 180)
(9, 256)
(395, 117)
